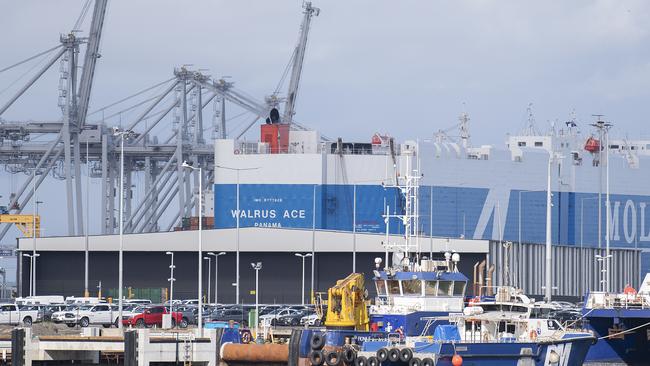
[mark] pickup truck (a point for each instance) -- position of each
(152, 316)
(13, 315)
(85, 315)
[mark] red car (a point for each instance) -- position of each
(153, 315)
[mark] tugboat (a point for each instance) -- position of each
(621, 321)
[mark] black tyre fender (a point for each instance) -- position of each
(373, 361)
(317, 341)
(361, 361)
(415, 362)
(405, 355)
(332, 358)
(393, 354)
(348, 356)
(316, 358)
(382, 355)
(427, 362)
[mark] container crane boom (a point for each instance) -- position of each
(298, 59)
(90, 60)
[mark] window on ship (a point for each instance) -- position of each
(459, 288)
(393, 287)
(445, 287)
(381, 288)
(412, 287)
(431, 288)
(522, 143)
(540, 144)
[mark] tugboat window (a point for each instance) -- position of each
(444, 288)
(431, 288)
(459, 288)
(412, 287)
(393, 287)
(381, 288)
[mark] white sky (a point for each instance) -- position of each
(406, 68)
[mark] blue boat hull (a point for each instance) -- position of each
(411, 324)
(632, 348)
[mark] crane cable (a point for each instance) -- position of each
(30, 58)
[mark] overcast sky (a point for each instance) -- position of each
(406, 68)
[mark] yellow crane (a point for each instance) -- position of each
(24, 223)
(347, 306)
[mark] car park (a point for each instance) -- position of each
(235, 314)
(292, 319)
(312, 319)
(272, 317)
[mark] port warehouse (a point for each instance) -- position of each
(60, 268)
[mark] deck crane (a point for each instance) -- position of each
(298, 59)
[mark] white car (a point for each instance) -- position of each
(12, 315)
(272, 317)
(85, 315)
(311, 320)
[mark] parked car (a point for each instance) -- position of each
(291, 319)
(272, 317)
(153, 316)
(236, 314)
(48, 310)
(13, 315)
(85, 315)
(311, 320)
(139, 301)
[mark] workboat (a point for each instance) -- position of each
(621, 322)
(475, 337)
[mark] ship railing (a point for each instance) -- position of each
(602, 300)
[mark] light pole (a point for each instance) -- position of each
(31, 271)
(582, 204)
(122, 134)
(86, 293)
(237, 229)
(187, 165)
(34, 255)
(171, 280)
(257, 266)
(209, 276)
(216, 273)
(303, 256)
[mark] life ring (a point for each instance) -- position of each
(533, 335)
(236, 151)
(400, 332)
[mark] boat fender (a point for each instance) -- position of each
(316, 358)
(332, 358)
(415, 362)
(361, 361)
(427, 362)
(405, 355)
(533, 335)
(393, 355)
(382, 355)
(457, 360)
(374, 361)
(317, 341)
(348, 356)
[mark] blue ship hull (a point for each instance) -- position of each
(411, 324)
(632, 348)
(571, 352)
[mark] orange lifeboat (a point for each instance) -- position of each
(592, 145)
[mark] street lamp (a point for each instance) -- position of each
(122, 134)
(31, 271)
(303, 256)
(257, 266)
(34, 255)
(171, 280)
(188, 165)
(209, 276)
(216, 273)
(237, 230)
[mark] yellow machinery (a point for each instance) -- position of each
(347, 308)
(24, 223)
